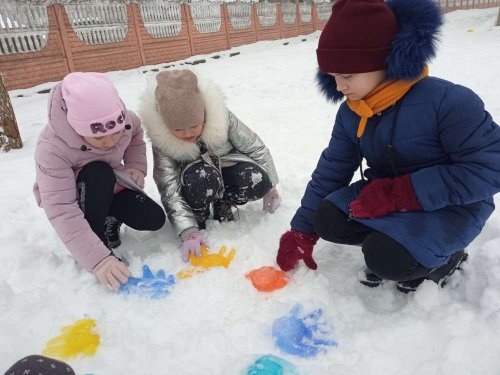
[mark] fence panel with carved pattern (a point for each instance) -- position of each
(206, 17)
(163, 32)
(239, 15)
(289, 23)
(306, 25)
(241, 24)
(23, 28)
(31, 50)
(289, 13)
(207, 31)
(324, 11)
(162, 20)
(266, 13)
(267, 23)
(98, 23)
(319, 13)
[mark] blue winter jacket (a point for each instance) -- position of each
(450, 145)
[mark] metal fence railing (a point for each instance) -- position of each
(162, 20)
(324, 11)
(22, 28)
(289, 12)
(239, 15)
(206, 16)
(98, 23)
(305, 12)
(266, 14)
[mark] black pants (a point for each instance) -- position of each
(96, 184)
(384, 256)
(238, 184)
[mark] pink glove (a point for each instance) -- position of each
(111, 272)
(272, 200)
(192, 244)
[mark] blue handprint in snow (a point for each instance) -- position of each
(302, 336)
(149, 285)
(271, 365)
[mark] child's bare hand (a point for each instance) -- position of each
(111, 272)
(136, 176)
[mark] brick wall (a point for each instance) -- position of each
(65, 52)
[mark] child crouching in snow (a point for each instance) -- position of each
(203, 155)
(433, 152)
(90, 168)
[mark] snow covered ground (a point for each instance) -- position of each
(216, 322)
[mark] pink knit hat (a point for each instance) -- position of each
(94, 108)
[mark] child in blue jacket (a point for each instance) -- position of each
(432, 151)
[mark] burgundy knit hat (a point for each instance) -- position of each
(357, 38)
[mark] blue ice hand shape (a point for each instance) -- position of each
(150, 285)
(271, 365)
(302, 336)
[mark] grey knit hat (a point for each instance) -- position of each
(179, 100)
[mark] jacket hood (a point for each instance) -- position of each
(413, 46)
(215, 128)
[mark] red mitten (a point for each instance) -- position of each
(295, 245)
(384, 196)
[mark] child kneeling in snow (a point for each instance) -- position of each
(81, 182)
(203, 155)
(432, 150)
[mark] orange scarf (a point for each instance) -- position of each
(384, 95)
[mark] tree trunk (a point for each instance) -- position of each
(498, 19)
(9, 133)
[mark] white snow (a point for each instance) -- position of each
(216, 322)
(256, 178)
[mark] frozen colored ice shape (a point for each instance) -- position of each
(267, 279)
(74, 340)
(207, 261)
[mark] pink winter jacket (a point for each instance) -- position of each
(60, 154)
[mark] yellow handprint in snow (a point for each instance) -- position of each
(75, 339)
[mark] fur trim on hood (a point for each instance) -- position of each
(413, 46)
(215, 130)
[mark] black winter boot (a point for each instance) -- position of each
(369, 279)
(223, 211)
(112, 232)
(439, 275)
(201, 215)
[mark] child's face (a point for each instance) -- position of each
(189, 134)
(104, 143)
(357, 86)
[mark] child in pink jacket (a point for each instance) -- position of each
(90, 169)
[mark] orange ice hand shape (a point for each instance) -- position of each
(267, 279)
(74, 340)
(207, 261)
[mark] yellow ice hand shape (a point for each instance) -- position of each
(212, 260)
(74, 340)
(207, 261)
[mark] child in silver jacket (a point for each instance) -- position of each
(203, 155)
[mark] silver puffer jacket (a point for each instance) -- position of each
(225, 137)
